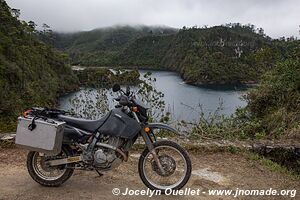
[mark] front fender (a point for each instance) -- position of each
(162, 126)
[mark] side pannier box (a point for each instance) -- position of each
(40, 135)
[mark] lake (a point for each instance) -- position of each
(184, 101)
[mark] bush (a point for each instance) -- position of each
(276, 101)
(273, 109)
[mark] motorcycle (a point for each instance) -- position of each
(105, 143)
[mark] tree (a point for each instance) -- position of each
(15, 12)
(32, 25)
(261, 32)
(282, 38)
(46, 28)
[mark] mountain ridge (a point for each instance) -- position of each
(231, 53)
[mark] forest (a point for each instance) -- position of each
(231, 53)
(35, 68)
(222, 102)
(32, 73)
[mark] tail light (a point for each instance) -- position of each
(27, 112)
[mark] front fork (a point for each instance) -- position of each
(151, 149)
(149, 145)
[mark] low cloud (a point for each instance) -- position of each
(277, 17)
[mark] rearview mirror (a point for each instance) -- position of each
(127, 90)
(116, 87)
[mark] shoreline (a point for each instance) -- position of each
(198, 83)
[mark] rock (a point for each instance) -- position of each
(8, 136)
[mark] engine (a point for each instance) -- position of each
(107, 158)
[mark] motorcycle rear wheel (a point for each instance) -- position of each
(44, 174)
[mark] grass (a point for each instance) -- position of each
(8, 125)
(7, 144)
(273, 166)
(212, 148)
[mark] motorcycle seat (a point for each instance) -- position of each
(84, 124)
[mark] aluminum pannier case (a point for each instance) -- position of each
(40, 135)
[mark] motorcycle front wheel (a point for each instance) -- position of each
(46, 175)
(176, 166)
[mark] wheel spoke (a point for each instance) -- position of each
(174, 165)
(43, 171)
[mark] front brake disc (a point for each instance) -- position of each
(168, 164)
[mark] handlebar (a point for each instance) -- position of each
(125, 96)
(124, 101)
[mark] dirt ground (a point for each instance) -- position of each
(210, 171)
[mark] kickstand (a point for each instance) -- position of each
(100, 174)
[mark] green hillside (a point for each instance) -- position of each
(275, 103)
(101, 46)
(273, 106)
(232, 53)
(31, 73)
(221, 54)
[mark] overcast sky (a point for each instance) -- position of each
(276, 17)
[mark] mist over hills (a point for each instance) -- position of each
(231, 53)
(33, 73)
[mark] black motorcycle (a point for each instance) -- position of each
(104, 144)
